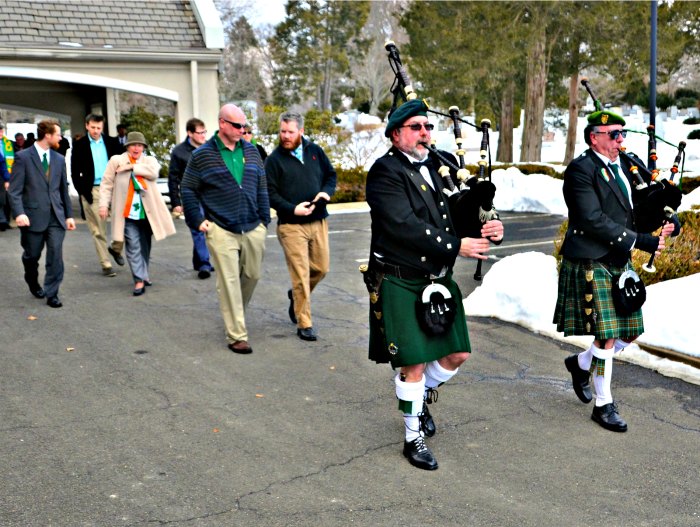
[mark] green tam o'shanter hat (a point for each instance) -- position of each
(405, 111)
(605, 117)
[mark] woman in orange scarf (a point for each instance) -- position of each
(129, 189)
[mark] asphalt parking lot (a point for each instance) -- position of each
(128, 411)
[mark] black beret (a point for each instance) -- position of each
(404, 112)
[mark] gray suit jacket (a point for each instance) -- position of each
(31, 194)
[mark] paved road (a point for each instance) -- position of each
(123, 411)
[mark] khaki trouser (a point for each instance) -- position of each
(237, 259)
(98, 229)
(308, 261)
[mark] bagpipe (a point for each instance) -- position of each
(470, 198)
(655, 199)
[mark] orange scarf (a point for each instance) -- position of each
(136, 183)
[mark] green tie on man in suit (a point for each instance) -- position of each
(42, 208)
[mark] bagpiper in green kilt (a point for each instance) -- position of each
(396, 336)
(570, 314)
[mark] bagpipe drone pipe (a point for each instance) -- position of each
(470, 197)
(655, 200)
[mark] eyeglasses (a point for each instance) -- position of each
(417, 126)
(248, 132)
(200, 132)
(237, 126)
(614, 134)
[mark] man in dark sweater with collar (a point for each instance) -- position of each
(224, 194)
(301, 181)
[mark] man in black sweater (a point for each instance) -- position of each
(196, 137)
(300, 182)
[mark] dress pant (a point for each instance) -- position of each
(98, 229)
(238, 261)
(4, 216)
(33, 243)
(137, 238)
(308, 261)
(200, 252)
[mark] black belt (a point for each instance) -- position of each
(407, 273)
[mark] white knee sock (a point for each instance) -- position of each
(410, 395)
(435, 374)
(585, 358)
(602, 375)
(620, 345)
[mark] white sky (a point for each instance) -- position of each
(266, 12)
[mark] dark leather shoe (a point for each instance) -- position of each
(292, 316)
(117, 257)
(240, 346)
(307, 334)
(581, 379)
(147, 283)
(138, 291)
(427, 425)
(419, 455)
(53, 301)
(37, 291)
(108, 271)
(203, 274)
(607, 417)
(4, 226)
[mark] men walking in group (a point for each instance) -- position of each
(224, 194)
(196, 136)
(301, 181)
(413, 250)
(42, 209)
(89, 159)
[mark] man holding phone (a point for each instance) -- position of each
(301, 181)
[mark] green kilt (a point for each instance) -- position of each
(398, 327)
(569, 315)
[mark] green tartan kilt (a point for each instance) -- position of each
(569, 315)
(399, 330)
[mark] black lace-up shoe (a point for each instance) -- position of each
(580, 379)
(419, 455)
(607, 417)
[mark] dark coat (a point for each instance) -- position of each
(411, 227)
(601, 221)
(82, 166)
(31, 194)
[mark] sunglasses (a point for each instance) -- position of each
(237, 126)
(417, 126)
(614, 134)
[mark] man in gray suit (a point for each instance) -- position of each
(42, 209)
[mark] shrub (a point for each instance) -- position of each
(350, 186)
(695, 134)
(680, 258)
(692, 120)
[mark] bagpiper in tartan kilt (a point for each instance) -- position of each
(577, 314)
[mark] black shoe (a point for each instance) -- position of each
(425, 420)
(607, 417)
(117, 257)
(292, 316)
(108, 271)
(147, 283)
(307, 334)
(580, 379)
(419, 455)
(4, 226)
(53, 301)
(37, 291)
(138, 291)
(203, 274)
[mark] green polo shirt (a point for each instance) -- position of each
(232, 158)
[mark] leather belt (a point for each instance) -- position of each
(398, 271)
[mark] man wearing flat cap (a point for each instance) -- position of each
(602, 232)
(413, 250)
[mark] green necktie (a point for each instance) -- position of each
(45, 163)
(619, 181)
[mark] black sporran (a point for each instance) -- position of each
(436, 310)
(628, 293)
